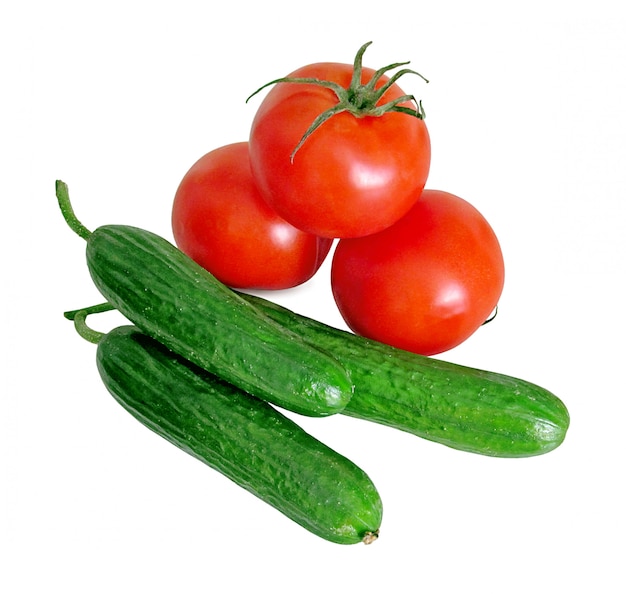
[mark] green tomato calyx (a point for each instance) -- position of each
(358, 99)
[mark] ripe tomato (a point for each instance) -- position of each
(355, 174)
(220, 220)
(426, 283)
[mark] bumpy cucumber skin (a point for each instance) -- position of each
(244, 438)
(176, 301)
(464, 408)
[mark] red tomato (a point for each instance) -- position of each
(220, 220)
(426, 283)
(353, 175)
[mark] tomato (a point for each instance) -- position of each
(220, 220)
(355, 174)
(426, 283)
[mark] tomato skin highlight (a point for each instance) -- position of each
(353, 176)
(220, 220)
(426, 283)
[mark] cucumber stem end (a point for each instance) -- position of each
(79, 317)
(370, 537)
(63, 197)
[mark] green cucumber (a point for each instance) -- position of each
(177, 302)
(242, 437)
(464, 408)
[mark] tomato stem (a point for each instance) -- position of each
(359, 99)
(492, 316)
(79, 317)
(63, 197)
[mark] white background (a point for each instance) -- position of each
(526, 112)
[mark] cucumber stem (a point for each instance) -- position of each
(79, 317)
(63, 197)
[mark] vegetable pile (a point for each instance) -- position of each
(336, 152)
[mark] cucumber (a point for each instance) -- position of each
(242, 437)
(464, 408)
(174, 300)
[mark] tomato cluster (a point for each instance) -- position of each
(340, 152)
